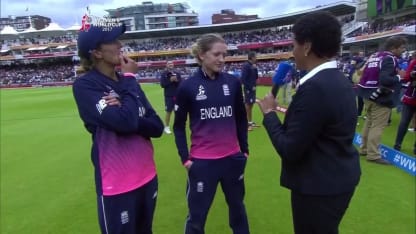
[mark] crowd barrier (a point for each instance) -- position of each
(266, 81)
(58, 84)
(37, 85)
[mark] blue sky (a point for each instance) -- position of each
(69, 12)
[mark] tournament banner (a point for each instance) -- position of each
(397, 158)
(283, 42)
(255, 45)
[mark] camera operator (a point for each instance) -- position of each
(380, 86)
(409, 104)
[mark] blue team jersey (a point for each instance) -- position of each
(217, 115)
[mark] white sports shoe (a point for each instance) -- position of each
(167, 130)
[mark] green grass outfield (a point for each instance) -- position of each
(47, 183)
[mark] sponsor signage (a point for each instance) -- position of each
(397, 158)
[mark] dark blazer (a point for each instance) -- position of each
(315, 141)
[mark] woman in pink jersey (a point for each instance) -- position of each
(213, 101)
(121, 120)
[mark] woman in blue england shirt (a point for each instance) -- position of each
(218, 123)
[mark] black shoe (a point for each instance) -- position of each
(397, 147)
(362, 153)
(380, 161)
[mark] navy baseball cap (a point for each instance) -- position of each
(90, 39)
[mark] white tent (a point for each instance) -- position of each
(52, 27)
(29, 30)
(8, 30)
(74, 27)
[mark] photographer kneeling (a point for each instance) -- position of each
(379, 86)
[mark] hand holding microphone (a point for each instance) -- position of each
(267, 104)
(280, 77)
(275, 89)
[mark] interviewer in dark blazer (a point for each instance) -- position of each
(320, 165)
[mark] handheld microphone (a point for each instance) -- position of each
(275, 89)
(279, 77)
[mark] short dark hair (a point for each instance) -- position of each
(322, 30)
(251, 55)
(395, 42)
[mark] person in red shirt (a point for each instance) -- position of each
(409, 103)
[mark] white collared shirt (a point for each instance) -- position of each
(312, 73)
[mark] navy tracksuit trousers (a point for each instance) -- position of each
(203, 178)
(128, 213)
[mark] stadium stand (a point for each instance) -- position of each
(40, 58)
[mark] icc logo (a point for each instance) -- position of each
(85, 23)
(201, 93)
(359, 140)
(383, 152)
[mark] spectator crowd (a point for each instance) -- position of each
(37, 74)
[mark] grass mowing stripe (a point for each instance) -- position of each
(47, 183)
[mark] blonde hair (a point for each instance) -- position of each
(204, 43)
